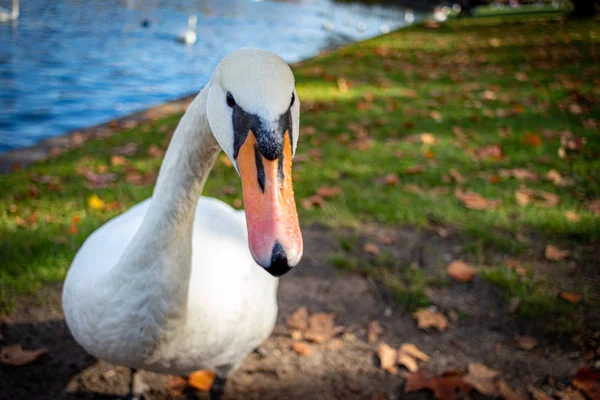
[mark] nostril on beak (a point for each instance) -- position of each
(279, 262)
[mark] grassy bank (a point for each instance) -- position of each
(484, 127)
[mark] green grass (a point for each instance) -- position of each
(471, 83)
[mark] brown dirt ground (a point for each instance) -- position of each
(343, 368)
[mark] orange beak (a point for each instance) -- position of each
(273, 230)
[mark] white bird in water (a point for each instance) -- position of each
(12, 15)
(183, 282)
(189, 35)
(409, 16)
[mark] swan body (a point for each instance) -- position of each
(182, 282)
(12, 15)
(189, 35)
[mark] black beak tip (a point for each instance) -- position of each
(279, 262)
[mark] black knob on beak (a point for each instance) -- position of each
(279, 262)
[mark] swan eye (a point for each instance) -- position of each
(293, 99)
(230, 100)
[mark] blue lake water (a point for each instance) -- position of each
(69, 64)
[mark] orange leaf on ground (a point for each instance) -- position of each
(313, 201)
(461, 271)
(391, 179)
(16, 356)
(374, 329)
(482, 379)
(555, 177)
(328, 192)
(527, 343)
(301, 348)
(520, 174)
(427, 318)
(538, 394)
(372, 248)
(526, 196)
(594, 206)
(117, 160)
(494, 152)
(155, 151)
(572, 216)
(387, 358)
(588, 382)
(429, 154)
(321, 327)
(414, 169)
(418, 380)
(201, 380)
(409, 362)
(413, 351)
(298, 319)
(507, 393)
(570, 394)
(458, 178)
(475, 201)
(531, 139)
(446, 386)
(494, 179)
(570, 297)
(553, 253)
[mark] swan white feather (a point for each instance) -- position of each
(170, 285)
(12, 15)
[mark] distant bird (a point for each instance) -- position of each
(189, 35)
(12, 15)
(409, 16)
(385, 28)
(146, 23)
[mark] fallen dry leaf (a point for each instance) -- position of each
(328, 192)
(201, 380)
(413, 351)
(531, 139)
(301, 348)
(526, 196)
(572, 216)
(313, 201)
(493, 152)
(409, 362)
(594, 205)
(117, 160)
(570, 297)
(520, 174)
(538, 394)
(570, 394)
(298, 319)
(475, 201)
(372, 248)
(588, 381)
(418, 380)
(374, 329)
(387, 358)
(16, 356)
(458, 178)
(482, 379)
(555, 177)
(427, 318)
(98, 181)
(527, 343)
(461, 271)
(126, 150)
(446, 387)
(391, 179)
(155, 152)
(507, 393)
(321, 327)
(553, 253)
(417, 169)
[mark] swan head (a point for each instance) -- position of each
(253, 112)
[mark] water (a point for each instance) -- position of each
(69, 64)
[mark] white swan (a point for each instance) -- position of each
(409, 16)
(12, 15)
(173, 285)
(189, 35)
